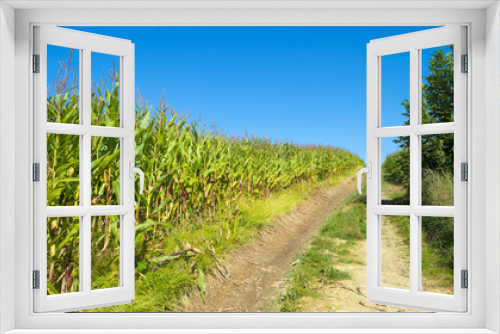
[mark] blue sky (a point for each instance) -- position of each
(304, 84)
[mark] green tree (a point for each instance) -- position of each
(437, 164)
(437, 107)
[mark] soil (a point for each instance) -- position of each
(350, 295)
(253, 274)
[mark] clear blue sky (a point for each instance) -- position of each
(304, 84)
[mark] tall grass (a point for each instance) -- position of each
(437, 232)
(196, 187)
(439, 189)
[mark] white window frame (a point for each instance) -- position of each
(86, 44)
(413, 43)
(482, 19)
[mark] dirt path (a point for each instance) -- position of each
(350, 295)
(257, 271)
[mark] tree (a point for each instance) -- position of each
(437, 107)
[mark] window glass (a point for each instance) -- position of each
(63, 170)
(63, 85)
(437, 84)
(395, 170)
(63, 255)
(105, 171)
(395, 89)
(395, 252)
(105, 234)
(437, 254)
(438, 169)
(105, 90)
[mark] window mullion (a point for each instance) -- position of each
(85, 161)
(418, 148)
(422, 211)
(414, 170)
(103, 131)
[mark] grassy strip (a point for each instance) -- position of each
(159, 287)
(330, 246)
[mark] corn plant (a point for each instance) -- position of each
(194, 177)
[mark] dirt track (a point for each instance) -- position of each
(350, 295)
(256, 272)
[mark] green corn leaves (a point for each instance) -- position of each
(193, 178)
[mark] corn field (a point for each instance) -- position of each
(194, 177)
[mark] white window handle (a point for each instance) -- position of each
(368, 171)
(134, 170)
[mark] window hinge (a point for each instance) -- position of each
(36, 63)
(36, 172)
(465, 63)
(464, 168)
(36, 279)
(465, 279)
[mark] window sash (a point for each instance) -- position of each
(86, 44)
(413, 43)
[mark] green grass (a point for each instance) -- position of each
(160, 287)
(438, 188)
(330, 246)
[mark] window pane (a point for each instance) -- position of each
(437, 254)
(395, 170)
(105, 90)
(63, 255)
(395, 90)
(105, 236)
(437, 170)
(105, 171)
(63, 85)
(395, 252)
(437, 84)
(63, 170)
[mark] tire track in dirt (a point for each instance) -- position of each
(256, 272)
(350, 295)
